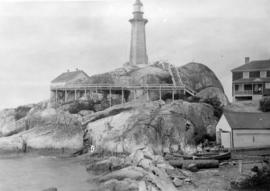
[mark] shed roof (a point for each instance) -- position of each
(247, 120)
(253, 65)
(68, 76)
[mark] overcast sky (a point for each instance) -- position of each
(40, 40)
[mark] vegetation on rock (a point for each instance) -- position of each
(218, 111)
(265, 104)
(21, 112)
(78, 106)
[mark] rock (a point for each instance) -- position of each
(50, 189)
(137, 157)
(108, 165)
(175, 173)
(213, 92)
(86, 112)
(46, 130)
(146, 164)
(188, 180)
(154, 124)
(178, 182)
(148, 153)
(134, 173)
(198, 77)
(123, 185)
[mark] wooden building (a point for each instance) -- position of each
(251, 81)
(246, 130)
(70, 78)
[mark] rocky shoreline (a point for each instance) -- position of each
(125, 143)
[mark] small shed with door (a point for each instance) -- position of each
(247, 130)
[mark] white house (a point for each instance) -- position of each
(240, 130)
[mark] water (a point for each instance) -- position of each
(35, 173)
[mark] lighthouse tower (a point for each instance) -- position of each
(138, 53)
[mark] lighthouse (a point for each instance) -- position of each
(138, 52)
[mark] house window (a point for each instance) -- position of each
(263, 74)
(236, 87)
(268, 73)
(255, 74)
(267, 85)
(247, 87)
(245, 75)
(237, 75)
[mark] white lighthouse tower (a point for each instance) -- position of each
(138, 52)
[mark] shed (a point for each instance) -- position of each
(224, 132)
(248, 129)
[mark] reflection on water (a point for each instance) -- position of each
(35, 173)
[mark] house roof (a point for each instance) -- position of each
(252, 80)
(253, 65)
(68, 76)
(247, 120)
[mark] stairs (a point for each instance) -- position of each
(176, 78)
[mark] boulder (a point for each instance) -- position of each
(46, 129)
(157, 125)
(198, 77)
(108, 165)
(211, 93)
(178, 182)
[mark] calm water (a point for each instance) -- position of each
(35, 173)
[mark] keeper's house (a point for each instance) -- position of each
(251, 81)
(245, 130)
(69, 78)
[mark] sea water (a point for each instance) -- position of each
(30, 172)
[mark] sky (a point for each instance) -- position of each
(41, 39)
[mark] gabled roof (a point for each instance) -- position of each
(247, 120)
(68, 76)
(253, 65)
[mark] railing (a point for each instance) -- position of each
(117, 87)
(244, 92)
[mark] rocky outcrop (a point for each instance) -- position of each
(195, 76)
(173, 127)
(132, 75)
(199, 76)
(44, 128)
(143, 171)
(170, 127)
(213, 92)
(8, 124)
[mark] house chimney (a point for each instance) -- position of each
(247, 60)
(67, 70)
(77, 69)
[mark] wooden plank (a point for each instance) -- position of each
(122, 92)
(110, 97)
(66, 94)
(160, 93)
